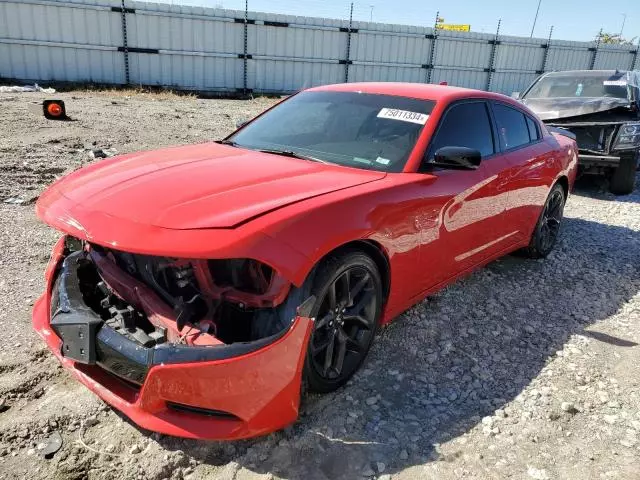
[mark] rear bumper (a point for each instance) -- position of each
(244, 394)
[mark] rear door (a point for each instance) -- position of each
(472, 225)
(532, 165)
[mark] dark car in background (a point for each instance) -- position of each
(602, 109)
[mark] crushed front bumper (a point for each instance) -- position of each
(217, 392)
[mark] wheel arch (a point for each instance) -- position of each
(371, 248)
(563, 180)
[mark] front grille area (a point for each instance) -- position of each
(595, 138)
(114, 353)
(120, 365)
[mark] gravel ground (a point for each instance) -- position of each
(525, 369)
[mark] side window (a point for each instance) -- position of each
(512, 126)
(534, 134)
(465, 125)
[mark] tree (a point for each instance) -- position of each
(613, 39)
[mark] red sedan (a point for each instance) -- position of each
(197, 289)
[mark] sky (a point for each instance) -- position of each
(571, 19)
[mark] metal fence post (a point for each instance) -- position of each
(634, 60)
(592, 63)
(546, 47)
(492, 58)
(347, 60)
(432, 51)
(244, 61)
(125, 46)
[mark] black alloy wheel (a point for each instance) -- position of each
(551, 218)
(349, 302)
(546, 232)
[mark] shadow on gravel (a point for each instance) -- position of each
(448, 362)
(597, 186)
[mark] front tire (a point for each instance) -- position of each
(623, 180)
(546, 232)
(348, 290)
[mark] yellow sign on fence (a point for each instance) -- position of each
(456, 28)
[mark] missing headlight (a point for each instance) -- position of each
(72, 244)
(243, 274)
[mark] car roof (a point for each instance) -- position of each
(423, 91)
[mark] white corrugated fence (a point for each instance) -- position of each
(219, 50)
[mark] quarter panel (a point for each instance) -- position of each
(533, 171)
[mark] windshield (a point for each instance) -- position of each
(580, 84)
(360, 130)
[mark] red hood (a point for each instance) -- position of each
(199, 186)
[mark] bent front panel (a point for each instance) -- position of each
(208, 392)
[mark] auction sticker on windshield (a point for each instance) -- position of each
(403, 115)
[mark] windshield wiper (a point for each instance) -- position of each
(284, 153)
(227, 142)
(292, 154)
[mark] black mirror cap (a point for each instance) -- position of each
(457, 158)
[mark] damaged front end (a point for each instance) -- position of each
(604, 136)
(601, 108)
(188, 347)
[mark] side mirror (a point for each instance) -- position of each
(457, 158)
(515, 95)
(241, 123)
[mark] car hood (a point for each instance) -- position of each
(199, 186)
(552, 108)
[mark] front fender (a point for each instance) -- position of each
(125, 235)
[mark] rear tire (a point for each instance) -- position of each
(348, 290)
(547, 228)
(623, 180)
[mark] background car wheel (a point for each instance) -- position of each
(623, 180)
(348, 289)
(546, 232)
